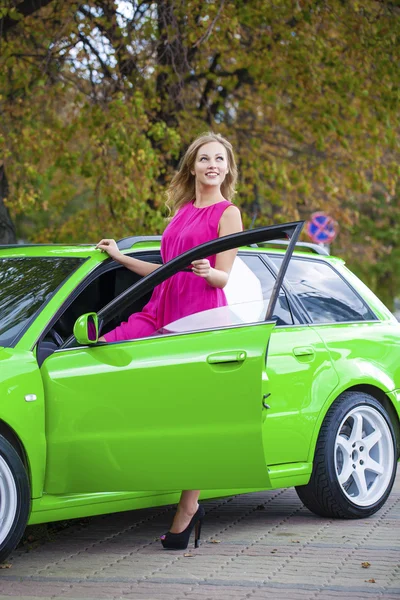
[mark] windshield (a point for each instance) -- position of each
(25, 285)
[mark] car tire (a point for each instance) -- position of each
(355, 460)
(14, 498)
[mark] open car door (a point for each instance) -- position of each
(165, 412)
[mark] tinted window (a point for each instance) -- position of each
(25, 285)
(326, 296)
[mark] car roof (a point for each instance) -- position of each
(47, 250)
(149, 243)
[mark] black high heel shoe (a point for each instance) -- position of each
(179, 541)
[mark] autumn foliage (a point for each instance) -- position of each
(99, 99)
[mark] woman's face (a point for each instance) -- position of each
(211, 164)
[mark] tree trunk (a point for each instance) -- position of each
(7, 229)
(172, 59)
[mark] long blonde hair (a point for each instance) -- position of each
(183, 185)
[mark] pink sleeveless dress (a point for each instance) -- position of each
(184, 293)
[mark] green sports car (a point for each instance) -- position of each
(295, 383)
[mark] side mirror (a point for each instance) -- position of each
(86, 329)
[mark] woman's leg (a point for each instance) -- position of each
(188, 505)
(139, 325)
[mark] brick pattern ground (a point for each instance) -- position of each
(258, 546)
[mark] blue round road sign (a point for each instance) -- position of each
(321, 228)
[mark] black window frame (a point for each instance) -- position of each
(297, 316)
(300, 315)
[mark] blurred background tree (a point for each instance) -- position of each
(99, 99)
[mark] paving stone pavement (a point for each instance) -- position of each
(261, 546)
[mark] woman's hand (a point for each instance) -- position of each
(109, 246)
(140, 267)
(202, 268)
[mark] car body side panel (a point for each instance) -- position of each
(19, 377)
(300, 377)
(362, 354)
(70, 506)
(122, 416)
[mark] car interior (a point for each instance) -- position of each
(107, 285)
(111, 279)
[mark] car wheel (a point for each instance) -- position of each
(355, 460)
(14, 498)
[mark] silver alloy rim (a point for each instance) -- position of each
(364, 455)
(8, 500)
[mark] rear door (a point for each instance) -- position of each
(299, 374)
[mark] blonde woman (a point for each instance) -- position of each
(199, 198)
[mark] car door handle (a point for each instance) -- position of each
(226, 357)
(303, 351)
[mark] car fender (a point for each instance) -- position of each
(22, 410)
(359, 373)
(363, 354)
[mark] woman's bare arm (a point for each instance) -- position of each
(230, 222)
(140, 267)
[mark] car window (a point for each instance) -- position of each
(324, 293)
(25, 285)
(259, 270)
(248, 292)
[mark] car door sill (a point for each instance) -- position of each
(290, 474)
